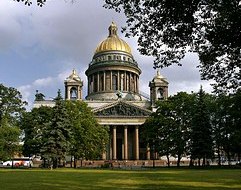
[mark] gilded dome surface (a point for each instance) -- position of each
(113, 42)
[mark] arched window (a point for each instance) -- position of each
(73, 93)
(160, 94)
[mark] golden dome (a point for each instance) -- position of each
(113, 42)
(159, 77)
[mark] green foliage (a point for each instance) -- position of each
(183, 107)
(9, 139)
(88, 137)
(167, 30)
(33, 125)
(196, 125)
(201, 131)
(235, 133)
(56, 137)
(11, 104)
(67, 128)
(221, 123)
(11, 109)
(168, 129)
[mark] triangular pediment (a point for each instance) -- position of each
(121, 109)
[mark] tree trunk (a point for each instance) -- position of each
(204, 161)
(55, 163)
(191, 162)
(168, 161)
(75, 165)
(229, 157)
(219, 156)
(178, 160)
(71, 161)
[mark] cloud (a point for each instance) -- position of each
(43, 82)
(49, 42)
(43, 85)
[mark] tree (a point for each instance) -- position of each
(167, 30)
(57, 135)
(158, 130)
(183, 107)
(9, 141)
(33, 125)
(88, 137)
(201, 132)
(221, 124)
(235, 135)
(11, 110)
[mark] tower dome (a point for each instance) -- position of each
(113, 42)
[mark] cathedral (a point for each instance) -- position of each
(114, 96)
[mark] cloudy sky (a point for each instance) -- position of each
(40, 46)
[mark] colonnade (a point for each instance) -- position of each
(113, 81)
(125, 139)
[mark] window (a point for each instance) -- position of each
(160, 94)
(73, 93)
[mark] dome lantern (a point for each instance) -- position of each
(113, 42)
(112, 29)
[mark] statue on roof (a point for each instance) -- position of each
(39, 96)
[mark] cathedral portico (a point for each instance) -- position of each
(124, 143)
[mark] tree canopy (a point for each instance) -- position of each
(198, 125)
(11, 109)
(67, 128)
(89, 139)
(169, 29)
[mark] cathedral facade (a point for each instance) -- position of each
(114, 96)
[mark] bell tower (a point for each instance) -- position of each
(158, 88)
(73, 87)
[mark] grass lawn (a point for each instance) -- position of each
(163, 178)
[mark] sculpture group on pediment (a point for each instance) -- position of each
(122, 110)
